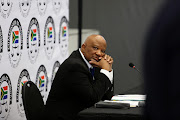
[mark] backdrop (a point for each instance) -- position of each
(33, 44)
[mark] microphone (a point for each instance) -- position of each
(133, 66)
(138, 89)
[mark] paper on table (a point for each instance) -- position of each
(132, 99)
(132, 103)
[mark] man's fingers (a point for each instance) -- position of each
(111, 60)
(100, 58)
(94, 63)
(105, 57)
(108, 58)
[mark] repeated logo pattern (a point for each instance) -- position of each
(12, 28)
(6, 96)
(15, 42)
(33, 40)
(23, 77)
(49, 37)
(42, 82)
(63, 36)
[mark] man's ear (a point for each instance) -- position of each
(83, 47)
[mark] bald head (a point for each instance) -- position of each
(94, 47)
(95, 38)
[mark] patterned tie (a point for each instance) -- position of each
(92, 71)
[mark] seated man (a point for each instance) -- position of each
(75, 87)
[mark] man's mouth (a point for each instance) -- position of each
(96, 58)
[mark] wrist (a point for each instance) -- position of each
(106, 68)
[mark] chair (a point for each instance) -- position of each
(32, 101)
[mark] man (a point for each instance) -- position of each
(75, 87)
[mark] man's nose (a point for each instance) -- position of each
(99, 53)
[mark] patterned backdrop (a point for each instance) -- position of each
(33, 44)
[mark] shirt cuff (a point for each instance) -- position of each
(108, 74)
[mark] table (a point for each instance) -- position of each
(111, 114)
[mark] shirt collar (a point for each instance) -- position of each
(88, 64)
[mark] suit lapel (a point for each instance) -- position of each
(76, 54)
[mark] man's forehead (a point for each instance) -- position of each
(99, 45)
(95, 39)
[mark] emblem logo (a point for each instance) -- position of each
(42, 82)
(56, 5)
(63, 36)
(15, 42)
(24, 77)
(25, 6)
(5, 6)
(33, 40)
(49, 37)
(42, 5)
(1, 43)
(6, 96)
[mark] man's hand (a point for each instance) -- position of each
(109, 59)
(105, 62)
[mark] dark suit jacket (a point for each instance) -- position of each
(161, 65)
(74, 89)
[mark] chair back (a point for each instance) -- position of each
(32, 101)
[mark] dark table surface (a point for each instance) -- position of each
(93, 113)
